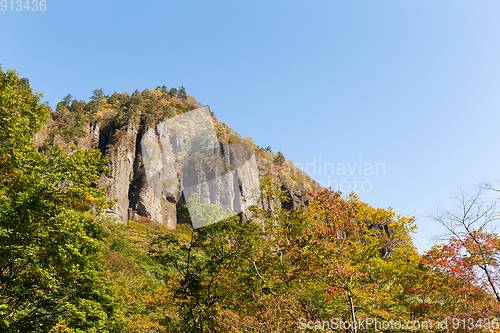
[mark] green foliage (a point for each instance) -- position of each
(172, 92)
(72, 116)
(279, 159)
(181, 93)
(206, 214)
(64, 270)
(97, 95)
(51, 270)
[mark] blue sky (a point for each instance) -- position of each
(413, 85)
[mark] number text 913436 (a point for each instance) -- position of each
(23, 5)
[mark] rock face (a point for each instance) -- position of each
(122, 156)
(136, 197)
(128, 183)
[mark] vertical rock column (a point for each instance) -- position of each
(155, 197)
(122, 155)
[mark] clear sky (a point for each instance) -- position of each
(412, 85)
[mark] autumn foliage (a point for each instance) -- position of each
(66, 268)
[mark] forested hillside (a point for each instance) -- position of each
(117, 124)
(87, 245)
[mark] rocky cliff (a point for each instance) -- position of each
(118, 134)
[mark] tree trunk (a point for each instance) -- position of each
(354, 325)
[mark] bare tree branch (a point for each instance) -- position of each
(473, 224)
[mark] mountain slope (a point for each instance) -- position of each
(116, 124)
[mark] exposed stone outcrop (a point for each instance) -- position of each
(122, 155)
(296, 198)
(137, 197)
(147, 199)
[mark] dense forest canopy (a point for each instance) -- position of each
(66, 267)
